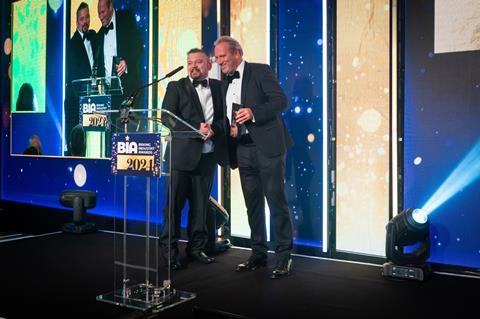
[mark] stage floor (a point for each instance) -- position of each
(59, 275)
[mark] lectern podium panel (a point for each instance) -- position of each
(141, 156)
(95, 95)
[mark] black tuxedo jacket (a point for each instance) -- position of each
(182, 99)
(129, 48)
(78, 65)
(262, 93)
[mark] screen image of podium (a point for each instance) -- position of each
(95, 97)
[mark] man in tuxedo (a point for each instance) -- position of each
(198, 101)
(258, 143)
(80, 64)
(119, 46)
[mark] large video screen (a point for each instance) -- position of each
(29, 56)
(441, 132)
(77, 41)
(56, 46)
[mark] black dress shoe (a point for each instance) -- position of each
(282, 269)
(252, 264)
(202, 257)
(175, 264)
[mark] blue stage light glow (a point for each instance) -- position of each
(463, 175)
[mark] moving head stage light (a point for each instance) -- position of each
(408, 245)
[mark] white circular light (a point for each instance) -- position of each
(419, 216)
(417, 160)
(311, 138)
(80, 175)
(7, 46)
(370, 120)
(55, 5)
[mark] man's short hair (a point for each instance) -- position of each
(33, 137)
(197, 50)
(233, 44)
(82, 6)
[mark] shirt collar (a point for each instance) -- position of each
(191, 80)
(113, 20)
(240, 68)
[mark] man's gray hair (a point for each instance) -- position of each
(233, 44)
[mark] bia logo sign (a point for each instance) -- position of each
(127, 148)
(88, 108)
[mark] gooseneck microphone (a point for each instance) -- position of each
(128, 102)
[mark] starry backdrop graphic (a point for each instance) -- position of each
(442, 92)
(300, 74)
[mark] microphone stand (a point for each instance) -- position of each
(126, 105)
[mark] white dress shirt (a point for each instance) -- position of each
(234, 92)
(88, 48)
(234, 95)
(205, 97)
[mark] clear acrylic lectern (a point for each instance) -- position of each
(141, 167)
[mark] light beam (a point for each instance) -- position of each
(463, 175)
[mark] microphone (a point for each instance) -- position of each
(171, 73)
(128, 102)
(131, 98)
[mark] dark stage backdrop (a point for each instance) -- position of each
(442, 110)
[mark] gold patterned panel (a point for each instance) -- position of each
(250, 25)
(362, 125)
(179, 30)
(457, 26)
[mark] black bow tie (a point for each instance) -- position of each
(85, 37)
(203, 83)
(108, 28)
(231, 77)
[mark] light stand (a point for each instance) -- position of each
(408, 246)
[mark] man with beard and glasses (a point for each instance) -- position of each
(80, 65)
(197, 100)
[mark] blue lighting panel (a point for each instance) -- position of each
(442, 155)
(300, 70)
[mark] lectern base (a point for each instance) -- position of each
(79, 228)
(143, 297)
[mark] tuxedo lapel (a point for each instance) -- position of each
(194, 97)
(82, 51)
(245, 79)
(216, 97)
(99, 54)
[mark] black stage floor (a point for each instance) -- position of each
(59, 275)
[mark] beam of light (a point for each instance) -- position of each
(463, 175)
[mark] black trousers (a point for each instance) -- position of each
(194, 186)
(262, 177)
